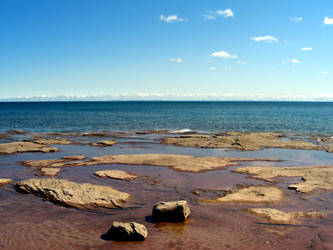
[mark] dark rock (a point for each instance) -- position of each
(127, 231)
(173, 211)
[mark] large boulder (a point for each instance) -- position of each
(127, 231)
(172, 211)
(24, 147)
(71, 194)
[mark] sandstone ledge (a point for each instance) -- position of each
(314, 177)
(25, 147)
(116, 174)
(5, 181)
(276, 216)
(71, 194)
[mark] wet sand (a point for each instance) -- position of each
(29, 222)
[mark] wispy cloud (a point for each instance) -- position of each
(328, 21)
(241, 62)
(212, 15)
(171, 19)
(266, 39)
(176, 60)
(293, 60)
(223, 54)
(212, 68)
(324, 72)
(307, 49)
(296, 19)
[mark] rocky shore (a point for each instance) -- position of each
(151, 189)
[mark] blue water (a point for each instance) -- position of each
(298, 117)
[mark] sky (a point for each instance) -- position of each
(167, 49)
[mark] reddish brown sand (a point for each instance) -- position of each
(29, 222)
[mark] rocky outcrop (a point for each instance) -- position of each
(116, 174)
(24, 147)
(71, 194)
(127, 231)
(276, 216)
(45, 141)
(314, 177)
(49, 171)
(5, 181)
(177, 162)
(74, 158)
(254, 194)
(172, 211)
(103, 143)
(241, 141)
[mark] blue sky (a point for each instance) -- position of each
(166, 49)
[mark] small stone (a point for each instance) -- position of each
(173, 211)
(127, 231)
(5, 181)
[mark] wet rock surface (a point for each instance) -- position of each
(127, 231)
(74, 157)
(24, 147)
(116, 174)
(276, 216)
(314, 177)
(103, 143)
(242, 141)
(177, 162)
(172, 211)
(45, 141)
(72, 194)
(4, 181)
(254, 194)
(49, 171)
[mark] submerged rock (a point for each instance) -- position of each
(71, 194)
(24, 147)
(241, 141)
(127, 231)
(279, 217)
(172, 211)
(5, 181)
(103, 143)
(116, 174)
(255, 194)
(49, 171)
(314, 177)
(177, 162)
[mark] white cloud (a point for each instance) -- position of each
(212, 68)
(266, 39)
(328, 20)
(171, 19)
(241, 62)
(296, 19)
(294, 60)
(223, 54)
(176, 60)
(306, 49)
(324, 72)
(212, 15)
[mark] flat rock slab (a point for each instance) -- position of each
(103, 143)
(44, 141)
(241, 141)
(314, 177)
(276, 216)
(255, 194)
(24, 147)
(127, 231)
(55, 163)
(5, 181)
(172, 211)
(72, 194)
(74, 157)
(116, 174)
(49, 171)
(177, 162)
